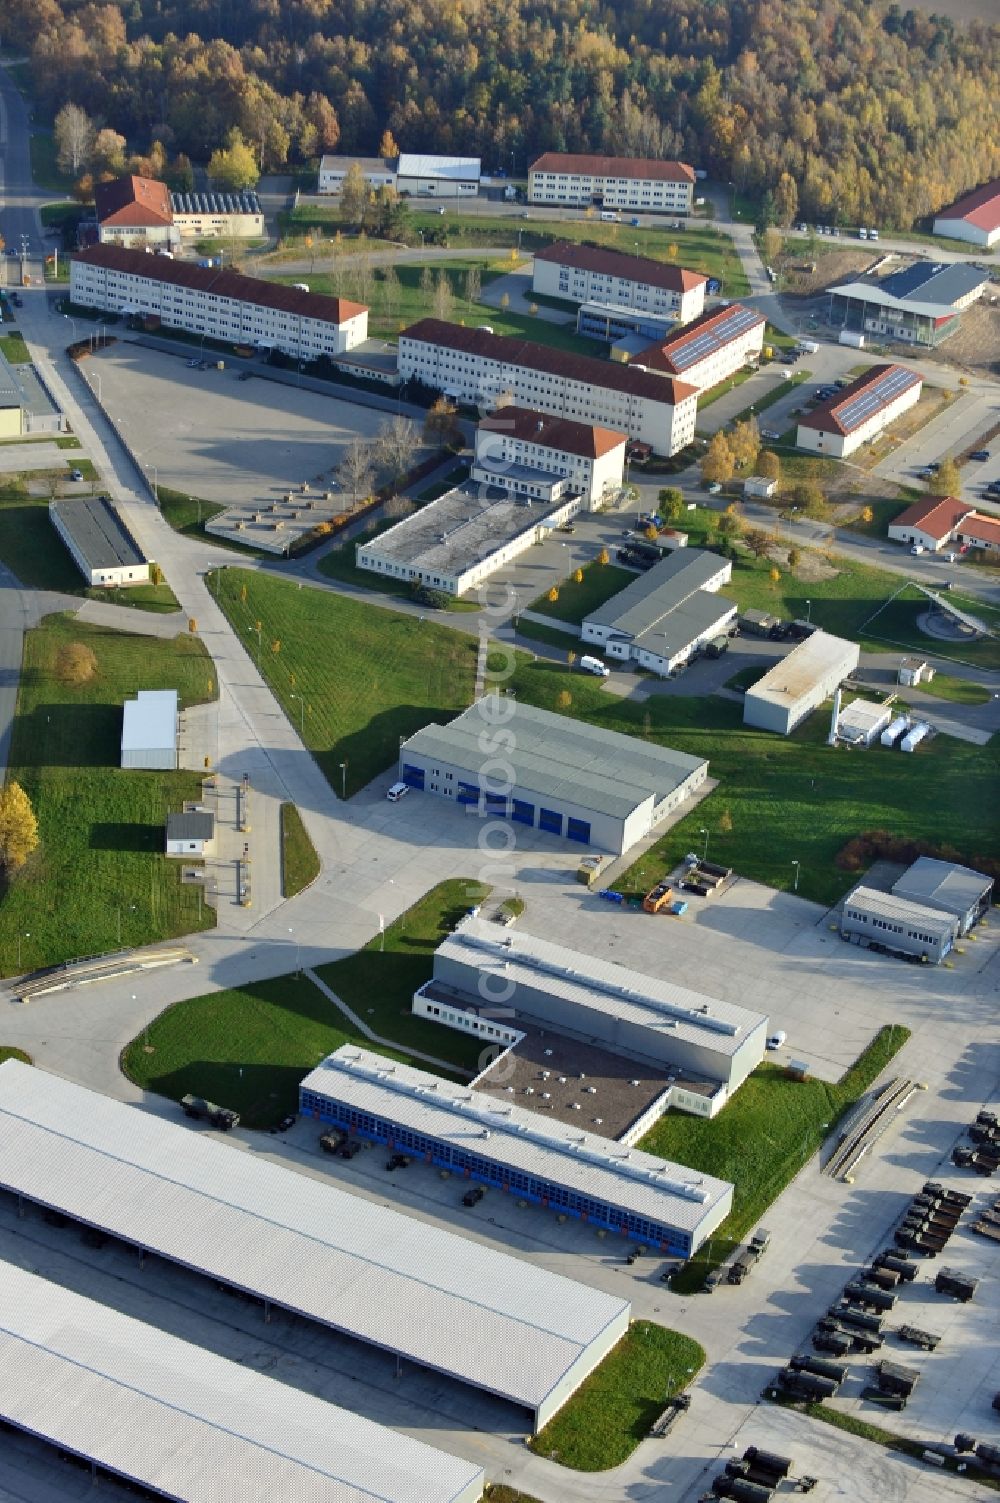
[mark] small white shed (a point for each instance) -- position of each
(149, 730)
(914, 671)
(191, 833)
(759, 488)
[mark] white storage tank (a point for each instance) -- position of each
(914, 737)
(892, 732)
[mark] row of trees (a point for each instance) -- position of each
(847, 110)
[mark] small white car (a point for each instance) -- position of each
(714, 488)
(397, 791)
(916, 547)
(775, 1040)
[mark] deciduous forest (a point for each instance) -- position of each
(875, 113)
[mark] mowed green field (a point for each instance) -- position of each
(599, 583)
(101, 861)
(366, 676)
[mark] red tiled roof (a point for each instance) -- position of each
(677, 352)
(591, 166)
(831, 416)
(979, 529)
(938, 516)
(227, 284)
(615, 264)
(506, 349)
(981, 207)
(565, 434)
(133, 202)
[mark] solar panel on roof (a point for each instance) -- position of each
(707, 341)
(857, 409)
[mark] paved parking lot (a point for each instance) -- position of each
(212, 435)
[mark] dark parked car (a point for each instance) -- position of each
(474, 1196)
(286, 1123)
(349, 1149)
(980, 455)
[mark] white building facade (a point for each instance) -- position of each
(666, 616)
(974, 218)
(99, 543)
(591, 460)
(612, 183)
(222, 305)
(800, 683)
(587, 273)
(481, 368)
(860, 412)
(715, 346)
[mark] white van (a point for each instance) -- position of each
(397, 791)
(610, 214)
(594, 666)
(300, 286)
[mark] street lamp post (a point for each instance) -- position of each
(704, 853)
(343, 780)
(796, 865)
(809, 606)
(302, 714)
(100, 389)
(27, 935)
(73, 322)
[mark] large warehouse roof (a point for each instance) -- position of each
(647, 598)
(943, 884)
(448, 1303)
(593, 982)
(192, 1425)
(648, 1187)
(804, 667)
(564, 759)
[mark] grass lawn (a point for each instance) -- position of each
(44, 167)
(614, 1409)
(100, 864)
(959, 690)
(774, 395)
(368, 677)
(600, 582)
(188, 514)
(61, 214)
(31, 548)
(810, 799)
(247, 1049)
(378, 982)
(299, 861)
(7, 1051)
(884, 510)
(14, 348)
(762, 1139)
(737, 379)
(566, 639)
(340, 564)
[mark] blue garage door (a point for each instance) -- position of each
(468, 793)
(522, 812)
(578, 829)
(413, 776)
(551, 820)
(496, 803)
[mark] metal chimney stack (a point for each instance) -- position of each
(831, 739)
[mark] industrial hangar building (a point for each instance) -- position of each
(884, 921)
(797, 685)
(522, 1153)
(952, 889)
(99, 543)
(485, 979)
(187, 1424)
(517, 1331)
(664, 617)
(561, 776)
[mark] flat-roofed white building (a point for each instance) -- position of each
(663, 617)
(611, 183)
(185, 1423)
(707, 351)
(860, 412)
(590, 459)
(945, 885)
(797, 685)
(379, 172)
(222, 305)
(486, 369)
(412, 174)
(593, 274)
(517, 1331)
(521, 1152)
(512, 974)
(455, 543)
(563, 777)
(99, 543)
(884, 921)
(149, 730)
(861, 721)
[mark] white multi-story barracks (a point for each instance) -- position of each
(521, 1153)
(483, 976)
(222, 305)
(860, 412)
(482, 368)
(561, 776)
(515, 442)
(714, 346)
(562, 177)
(592, 274)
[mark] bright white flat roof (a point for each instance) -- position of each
(805, 666)
(190, 1424)
(664, 1007)
(416, 164)
(149, 721)
(648, 1187)
(448, 1303)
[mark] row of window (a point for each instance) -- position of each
(470, 1021)
(877, 923)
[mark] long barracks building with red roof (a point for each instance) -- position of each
(611, 183)
(594, 274)
(221, 305)
(480, 368)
